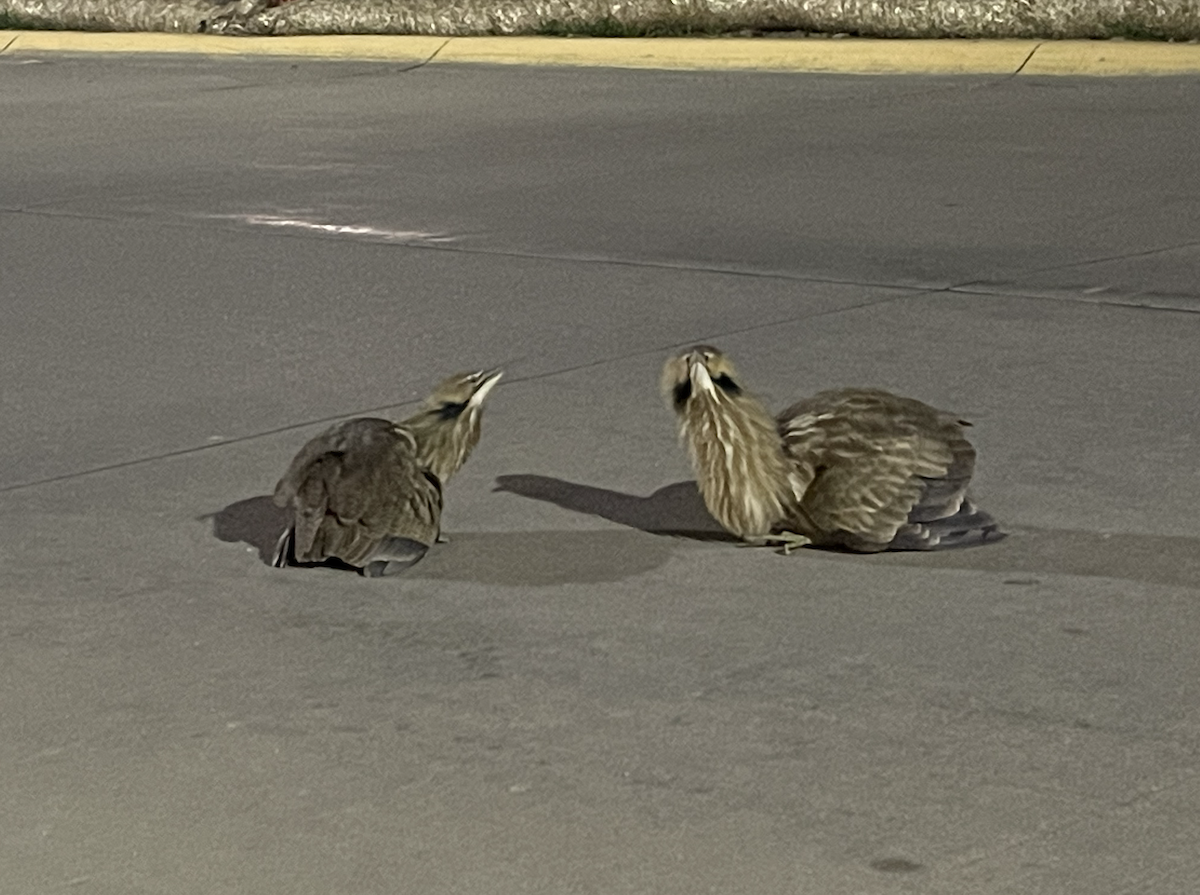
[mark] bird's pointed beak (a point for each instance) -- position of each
(698, 371)
(487, 382)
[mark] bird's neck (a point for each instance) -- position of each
(443, 445)
(740, 466)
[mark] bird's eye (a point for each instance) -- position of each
(450, 410)
(727, 385)
(683, 391)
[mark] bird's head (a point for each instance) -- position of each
(446, 426)
(461, 393)
(732, 439)
(701, 373)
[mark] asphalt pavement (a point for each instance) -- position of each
(204, 261)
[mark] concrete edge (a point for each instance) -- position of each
(857, 56)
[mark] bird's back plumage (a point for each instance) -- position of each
(358, 494)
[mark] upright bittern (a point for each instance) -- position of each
(856, 469)
(368, 491)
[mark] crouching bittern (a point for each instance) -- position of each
(856, 469)
(368, 492)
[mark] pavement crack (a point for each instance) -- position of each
(711, 337)
(1037, 47)
(431, 57)
(1171, 302)
(41, 208)
(689, 266)
(183, 452)
(385, 408)
(1184, 304)
(1122, 256)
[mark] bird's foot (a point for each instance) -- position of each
(787, 541)
(441, 539)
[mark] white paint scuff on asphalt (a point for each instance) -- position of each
(409, 237)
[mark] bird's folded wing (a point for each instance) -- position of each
(407, 505)
(301, 466)
(867, 485)
(377, 497)
(869, 495)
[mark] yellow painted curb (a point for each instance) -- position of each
(1113, 57)
(337, 46)
(812, 54)
(862, 56)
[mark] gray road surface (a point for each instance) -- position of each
(203, 262)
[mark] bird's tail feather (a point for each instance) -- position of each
(946, 495)
(966, 528)
(393, 556)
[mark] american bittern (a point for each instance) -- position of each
(857, 469)
(368, 491)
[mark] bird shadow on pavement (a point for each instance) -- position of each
(543, 558)
(538, 558)
(255, 521)
(1026, 558)
(676, 510)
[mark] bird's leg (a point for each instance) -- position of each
(788, 540)
(441, 539)
(284, 554)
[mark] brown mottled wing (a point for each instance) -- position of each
(355, 486)
(870, 462)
